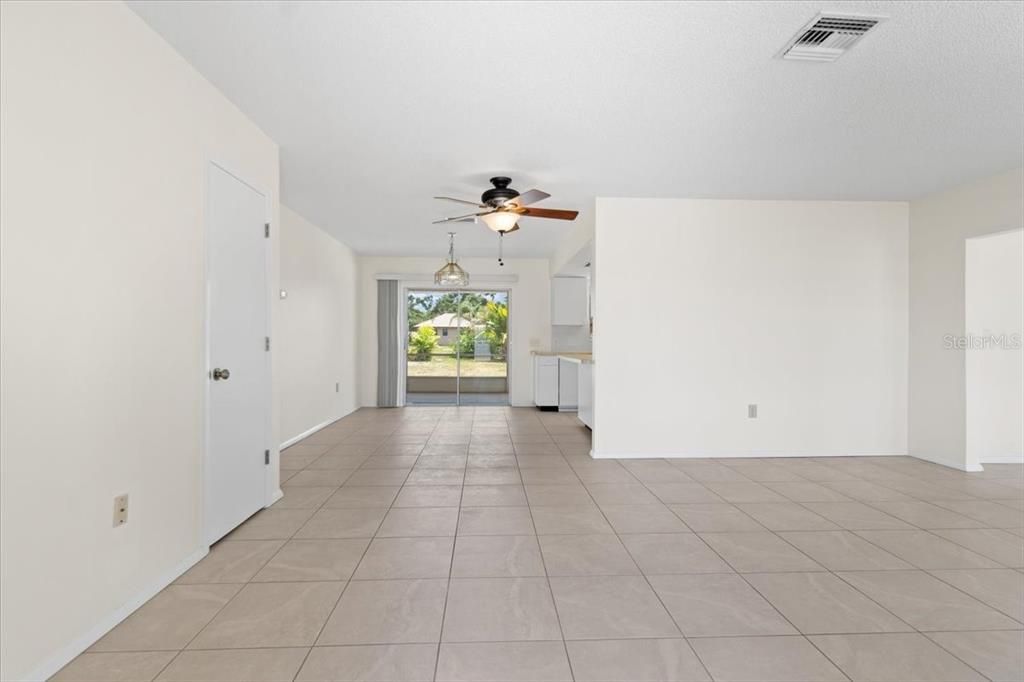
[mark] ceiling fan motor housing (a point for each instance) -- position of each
(500, 193)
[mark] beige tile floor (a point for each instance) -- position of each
(484, 544)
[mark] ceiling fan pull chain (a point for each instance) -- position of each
(501, 243)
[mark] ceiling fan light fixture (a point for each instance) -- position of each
(451, 274)
(500, 221)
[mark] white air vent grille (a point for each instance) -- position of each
(828, 36)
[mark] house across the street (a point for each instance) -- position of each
(447, 326)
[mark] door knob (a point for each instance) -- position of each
(220, 374)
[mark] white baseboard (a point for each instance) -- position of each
(66, 654)
(310, 432)
(278, 494)
(959, 466)
(1011, 458)
(684, 455)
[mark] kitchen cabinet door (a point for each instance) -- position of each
(569, 301)
(545, 381)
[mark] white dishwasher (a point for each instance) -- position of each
(568, 384)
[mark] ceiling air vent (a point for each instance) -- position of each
(828, 36)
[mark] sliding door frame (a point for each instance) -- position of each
(405, 288)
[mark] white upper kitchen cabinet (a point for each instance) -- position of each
(569, 301)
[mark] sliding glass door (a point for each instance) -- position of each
(457, 347)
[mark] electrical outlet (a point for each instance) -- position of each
(120, 510)
(751, 411)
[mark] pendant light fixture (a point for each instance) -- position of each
(450, 274)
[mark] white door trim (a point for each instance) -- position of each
(205, 401)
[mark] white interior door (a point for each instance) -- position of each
(239, 369)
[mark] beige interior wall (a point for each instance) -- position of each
(939, 226)
(106, 134)
(318, 378)
(704, 307)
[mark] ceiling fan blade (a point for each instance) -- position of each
(462, 201)
(526, 198)
(460, 218)
(556, 213)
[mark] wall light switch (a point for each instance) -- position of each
(120, 510)
(751, 411)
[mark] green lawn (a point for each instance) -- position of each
(443, 365)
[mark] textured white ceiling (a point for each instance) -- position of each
(379, 106)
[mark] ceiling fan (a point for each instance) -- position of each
(503, 206)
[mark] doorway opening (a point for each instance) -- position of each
(994, 358)
(456, 347)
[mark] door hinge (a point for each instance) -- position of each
(266, 230)
(266, 342)
(266, 456)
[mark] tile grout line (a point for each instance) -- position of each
(882, 549)
(647, 580)
(866, 596)
(856, 589)
(451, 560)
(644, 575)
(564, 457)
(349, 581)
(341, 594)
(581, 639)
(913, 566)
(796, 629)
(544, 566)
